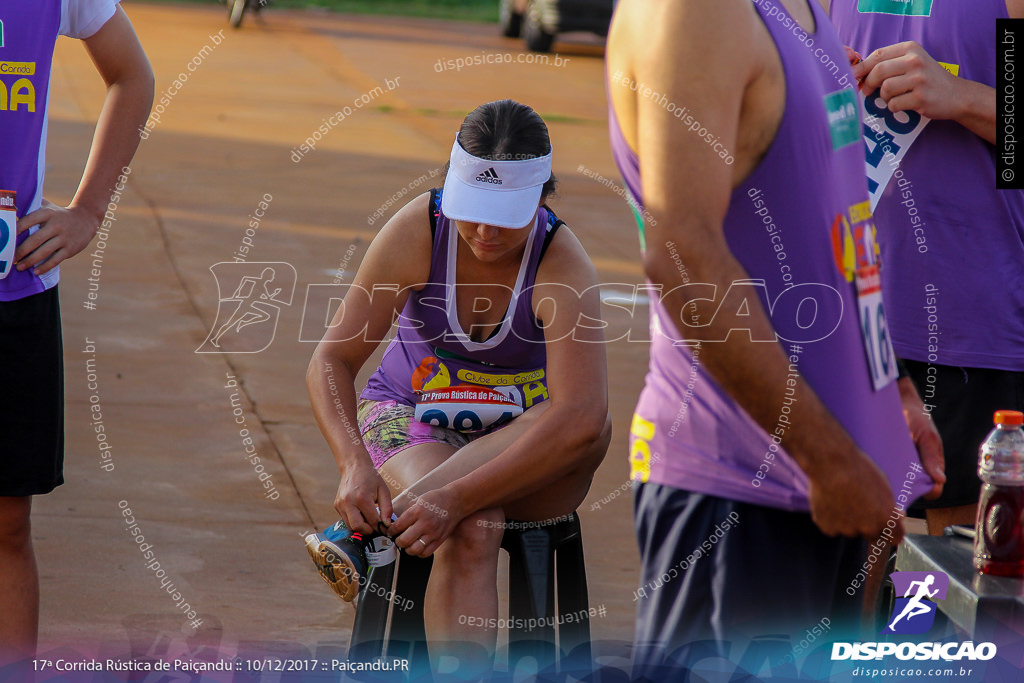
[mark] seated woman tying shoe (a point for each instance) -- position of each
(491, 401)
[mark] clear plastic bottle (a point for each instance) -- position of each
(999, 538)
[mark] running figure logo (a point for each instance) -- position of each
(915, 612)
(247, 319)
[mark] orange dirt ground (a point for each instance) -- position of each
(223, 142)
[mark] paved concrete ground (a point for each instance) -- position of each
(224, 141)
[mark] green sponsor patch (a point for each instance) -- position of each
(906, 8)
(843, 117)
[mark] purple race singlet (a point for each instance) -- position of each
(953, 245)
(431, 350)
(801, 227)
(28, 33)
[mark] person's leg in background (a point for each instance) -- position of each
(735, 581)
(19, 582)
(961, 402)
(32, 457)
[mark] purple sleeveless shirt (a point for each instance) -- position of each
(792, 224)
(432, 351)
(946, 234)
(28, 35)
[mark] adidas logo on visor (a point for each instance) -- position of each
(489, 176)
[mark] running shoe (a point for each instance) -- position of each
(340, 555)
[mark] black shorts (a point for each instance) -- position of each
(961, 402)
(761, 573)
(32, 395)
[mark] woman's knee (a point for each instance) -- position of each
(478, 536)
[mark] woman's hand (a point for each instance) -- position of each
(62, 234)
(361, 493)
(425, 525)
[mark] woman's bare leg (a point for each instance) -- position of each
(19, 582)
(461, 603)
(570, 491)
(462, 593)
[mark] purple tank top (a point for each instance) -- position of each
(432, 351)
(795, 225)
(27, 37)
(946, 234)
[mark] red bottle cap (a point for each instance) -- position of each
(1008, 417)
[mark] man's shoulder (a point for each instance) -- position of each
(707, 21)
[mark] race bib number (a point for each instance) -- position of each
(465, 408)
(887, 138)
(8, 231)
(874, 328)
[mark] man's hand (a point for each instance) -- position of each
(62, 234)
(853, 56)
(910, 80)
(851, 497)
(361, 492)
(432, 517)
(925, 435)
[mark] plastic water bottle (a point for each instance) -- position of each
(999, 537)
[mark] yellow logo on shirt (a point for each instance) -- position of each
(489, 380)
(860, 212)
(951, 68)
(18, 68)
(20, 93)
(641, 431)
(854, 241)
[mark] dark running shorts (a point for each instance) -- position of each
(962, 401)
(717, 574)
(32, 398)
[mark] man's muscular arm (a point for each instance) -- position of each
(717, 59)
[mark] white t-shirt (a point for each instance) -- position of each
(83, 18)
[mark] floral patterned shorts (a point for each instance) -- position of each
(389, 427)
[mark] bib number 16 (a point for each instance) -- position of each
(874, 329)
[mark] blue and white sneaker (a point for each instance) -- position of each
(343, 556)
(340, 555)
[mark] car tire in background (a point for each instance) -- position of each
(509, 20)
(537, 39)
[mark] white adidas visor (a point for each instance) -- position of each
(500, 193)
